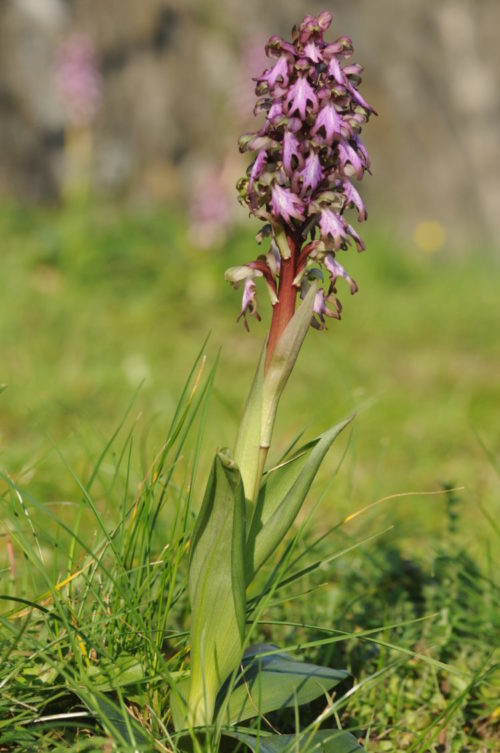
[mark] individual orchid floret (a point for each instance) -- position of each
(249, 302)
(285, 204)
(311, 174)
(307, 152)
(321, 309)
(300, 96)
(336, 270)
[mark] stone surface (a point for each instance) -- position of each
(175, 91)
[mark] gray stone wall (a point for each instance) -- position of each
(175, 93)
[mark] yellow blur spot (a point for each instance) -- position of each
(430, 236)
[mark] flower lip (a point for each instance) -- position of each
(278, 72)
(331, 123)
(311, 174)
(286, 204)
(291, 152)
(299, 95)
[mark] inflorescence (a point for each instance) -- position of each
(300, 181)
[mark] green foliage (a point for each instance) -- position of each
(96, 537)
(217, 586)
(271, 680)
(266, 535)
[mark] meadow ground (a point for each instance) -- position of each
(96, 302)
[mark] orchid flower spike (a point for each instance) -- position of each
(305, 157)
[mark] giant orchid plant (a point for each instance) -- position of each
(305, 156)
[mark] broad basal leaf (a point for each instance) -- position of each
(216, 588)
(323, 741)
(271, 681)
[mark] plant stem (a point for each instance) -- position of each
(284, 309)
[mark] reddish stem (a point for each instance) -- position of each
(284, 309)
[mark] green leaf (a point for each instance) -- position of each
(282, 363)
(278, 482)
(323, 741)
(116, 720)
(124, 670)
(268, 534)
(271, 681)
(216, 588)
(247, 450)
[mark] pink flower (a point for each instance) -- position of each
(291, 152)
(337, 270)
(306, 154)
(311, 174)
(333, 226)
(332, 124)
(353, 198)
(78, 79)
(249, 302)
(299, 96)
(286, 204)
(278, 72)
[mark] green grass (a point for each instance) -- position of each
(94, 302)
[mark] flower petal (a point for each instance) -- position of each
(334, 226)
(249, 302)
(290, 151)
(332, 123)
(298, 97)
(337, 270)
(286, 204)
(349, 156)
(352, 197)
(311, 173)
(257, 168)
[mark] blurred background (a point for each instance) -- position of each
(173, 91)
(119, 123)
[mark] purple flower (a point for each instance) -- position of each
(353, 198)
(78, 79)
(300, 94)
(210, 210)
(336, 70)
(358, 241)
(333, 124)
(306, 154)
(333, 226)
(337, 270)
(311, 174)
(258, 167)
(278, 71)
(312, 52)
(286, 204)
(291, 151)
(321, 309)
(249, 302)
(350, 161)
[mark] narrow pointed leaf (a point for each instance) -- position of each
(278, 482)
(275, 528)
(274, 681)
(247, 449)
(216, 588)
(282, 363)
